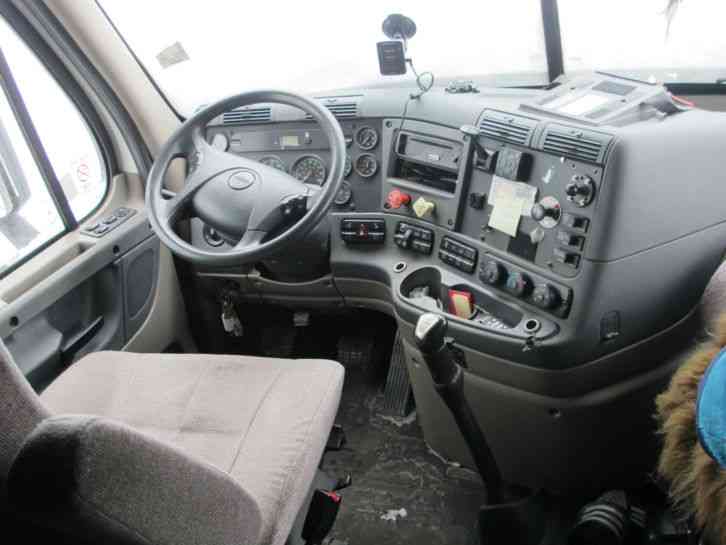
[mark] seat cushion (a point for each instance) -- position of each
(263, 421)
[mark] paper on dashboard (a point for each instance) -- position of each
(510, 201)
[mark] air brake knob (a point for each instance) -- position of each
(397, 199)
(540, 212)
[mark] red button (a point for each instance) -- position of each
(397, 199)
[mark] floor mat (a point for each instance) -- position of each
(401, 493)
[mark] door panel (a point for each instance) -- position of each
(97, 301)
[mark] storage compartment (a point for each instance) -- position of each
(428, 290)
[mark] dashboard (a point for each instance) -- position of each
(552, 212)
(568, 236)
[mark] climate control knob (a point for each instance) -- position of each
(580, 190)
(492, 273)
(518, 284)
(546, 297)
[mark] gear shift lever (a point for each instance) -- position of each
(521, 521)
(449, 382)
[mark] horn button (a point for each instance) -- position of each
(241, 180)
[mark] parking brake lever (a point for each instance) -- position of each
(448, 377)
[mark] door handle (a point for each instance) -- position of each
(73, 345)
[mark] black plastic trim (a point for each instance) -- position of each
(696, 88)
(55, 33)
(553, 39)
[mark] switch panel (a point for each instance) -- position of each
(411, 237)
(109, 223)
(363, 231)
(458, 255)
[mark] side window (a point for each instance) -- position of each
(37, 205)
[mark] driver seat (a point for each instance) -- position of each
(167, 449)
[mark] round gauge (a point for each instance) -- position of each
(220, 142)
(274, 161)
(366, 138)
(345, 193)
(309, 169)
(348, 166)
(366, 165)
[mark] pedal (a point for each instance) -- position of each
(398, 395)
(278, 341)
(301, 319)
(356, 352)
(336, 439)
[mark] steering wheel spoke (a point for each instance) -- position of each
(251, 239)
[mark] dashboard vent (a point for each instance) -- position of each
(341, 110)
(576, 143)
(510, 128)
(247, 116)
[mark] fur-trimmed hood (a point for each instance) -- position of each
(697, 482)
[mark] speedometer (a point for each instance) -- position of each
(309, 169)
(274, 161)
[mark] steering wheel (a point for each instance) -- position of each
(245, 201)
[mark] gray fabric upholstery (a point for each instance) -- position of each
(105, 482)
(20, 413)
(262, 421)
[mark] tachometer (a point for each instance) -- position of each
(366, 165)
(366, 138)
(274, 161)
(309, 169)
(348, 166)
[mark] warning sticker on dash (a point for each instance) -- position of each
(510, 201)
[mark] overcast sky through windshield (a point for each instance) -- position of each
(316, 46)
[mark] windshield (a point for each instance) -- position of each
(676, 41)
(202, 51)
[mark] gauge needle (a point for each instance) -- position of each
(307, 176)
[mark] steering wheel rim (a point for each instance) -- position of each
(272, 190)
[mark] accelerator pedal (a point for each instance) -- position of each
(398, 396)
(356, 351)
(278, 341)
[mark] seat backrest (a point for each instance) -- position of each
(20, 412)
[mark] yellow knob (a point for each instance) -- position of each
(422, 207)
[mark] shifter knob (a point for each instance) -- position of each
(430, 332)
